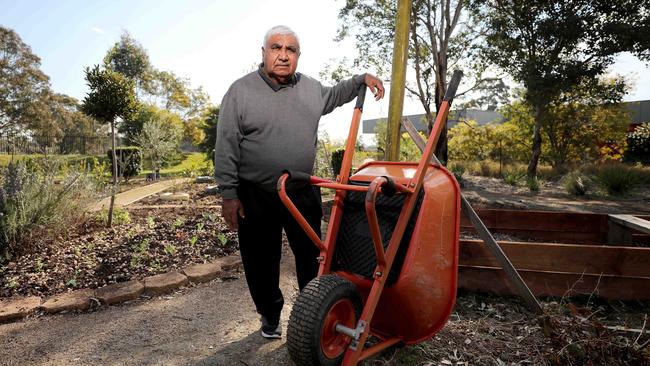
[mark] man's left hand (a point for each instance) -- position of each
(375, 85)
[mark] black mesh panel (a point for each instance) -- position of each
(355, 251)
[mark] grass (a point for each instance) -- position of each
(618, 179)
(491, 168)
(193, 164)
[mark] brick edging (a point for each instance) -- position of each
(81, 300)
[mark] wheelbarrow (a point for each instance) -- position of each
(389, 259)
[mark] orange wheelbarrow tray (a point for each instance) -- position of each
(389, 260)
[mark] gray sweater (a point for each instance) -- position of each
(265, 128)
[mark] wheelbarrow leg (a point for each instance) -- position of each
(355, 352)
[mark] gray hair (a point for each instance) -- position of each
(280, 29)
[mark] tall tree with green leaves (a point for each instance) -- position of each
(164, 89)
(443, 36)
(129, 58)
(23, 86)
(551, 47)
(111, 96)
(159, 139)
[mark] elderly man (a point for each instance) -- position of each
(268, 122)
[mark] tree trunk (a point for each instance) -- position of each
(441, 88)
(114, 189)
(537, 142)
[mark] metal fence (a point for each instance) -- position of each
(72, 144)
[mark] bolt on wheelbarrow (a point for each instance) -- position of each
(389, 260)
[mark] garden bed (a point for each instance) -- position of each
(154, 240)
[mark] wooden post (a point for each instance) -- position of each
(398, 79)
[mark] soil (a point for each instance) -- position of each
(156, 239)
(215, 323)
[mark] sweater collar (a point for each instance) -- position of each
(275, 86)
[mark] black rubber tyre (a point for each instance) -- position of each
(325, 301)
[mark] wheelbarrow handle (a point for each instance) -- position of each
(297, 176)
(453, 86)
(361, 97)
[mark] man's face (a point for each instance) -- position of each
(280, 55)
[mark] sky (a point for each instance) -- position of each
(210, 42)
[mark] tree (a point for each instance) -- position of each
(111, 96)
(163, 89)
(130, 59)
(584, 118)
(158, 140)
(443, 36)
(210, 130)
(23, 86)
(552, 46)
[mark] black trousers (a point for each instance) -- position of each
(260, 242)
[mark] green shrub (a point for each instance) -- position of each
(616, 178)
(129, 161)
(638, 145)
(512, 177)
(490, 168)
(458, 170)
(576, 183)
(120, 216)
(32, 204)
(337, 161)
(533, 184)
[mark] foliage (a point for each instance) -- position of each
(130, 59)
(323, 162)
(576, 183)
(512, 177)
(583, 123)
(337, 161)
(211, 118)
(193, 133)
(458, 170)
(120, 216)
(164, 89)
(584, 118)
(638, 145)
(533, 184)
(193, 164)
(32, 203)
(111, 95)
(617, 178)
(159, 139)
(129, 161)
(442, 34)
(551, 47)
(504, 142)
(23, 86)
(409, 151)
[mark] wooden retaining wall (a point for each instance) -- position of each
(577, 262)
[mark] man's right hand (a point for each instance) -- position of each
(231, 210)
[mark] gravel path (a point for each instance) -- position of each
(211, 324)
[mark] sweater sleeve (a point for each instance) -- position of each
(341, 93)
(227, 152)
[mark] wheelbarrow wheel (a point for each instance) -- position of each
(312, 338)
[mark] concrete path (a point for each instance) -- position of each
(136, 194)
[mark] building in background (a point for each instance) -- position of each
(639, 113)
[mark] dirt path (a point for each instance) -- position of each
(212, 324)
(494, 193)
